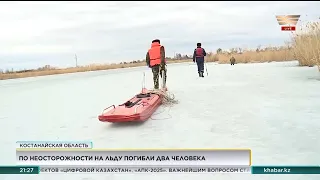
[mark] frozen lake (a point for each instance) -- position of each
(272, 108)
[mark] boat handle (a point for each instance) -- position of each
(108, 108)
(135, 109)
(143, 103)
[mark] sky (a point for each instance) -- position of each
(34, 34)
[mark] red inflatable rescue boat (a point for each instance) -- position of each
(138, 108)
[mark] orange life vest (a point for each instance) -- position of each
(154, 54)
(199, 52)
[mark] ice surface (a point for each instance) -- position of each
(272, 108)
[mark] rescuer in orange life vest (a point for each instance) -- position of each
(198, 56)
(155, 59)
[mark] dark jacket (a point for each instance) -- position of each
(232, 60)
(198, 58)
(162, 54)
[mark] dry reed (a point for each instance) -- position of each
(306, 45)
(251, 56)
(53, 71)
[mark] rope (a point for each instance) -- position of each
(169, 115)
(168, 100)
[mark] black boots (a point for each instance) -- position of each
(201, 74)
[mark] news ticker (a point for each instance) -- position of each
(154, 170)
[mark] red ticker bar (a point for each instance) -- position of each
(288, 28)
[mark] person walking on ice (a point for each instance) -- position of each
(155, 60)
(198, 57)
(232, 60)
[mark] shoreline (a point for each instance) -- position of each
(48, 72)
(88, 68)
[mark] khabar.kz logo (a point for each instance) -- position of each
(289, 20)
